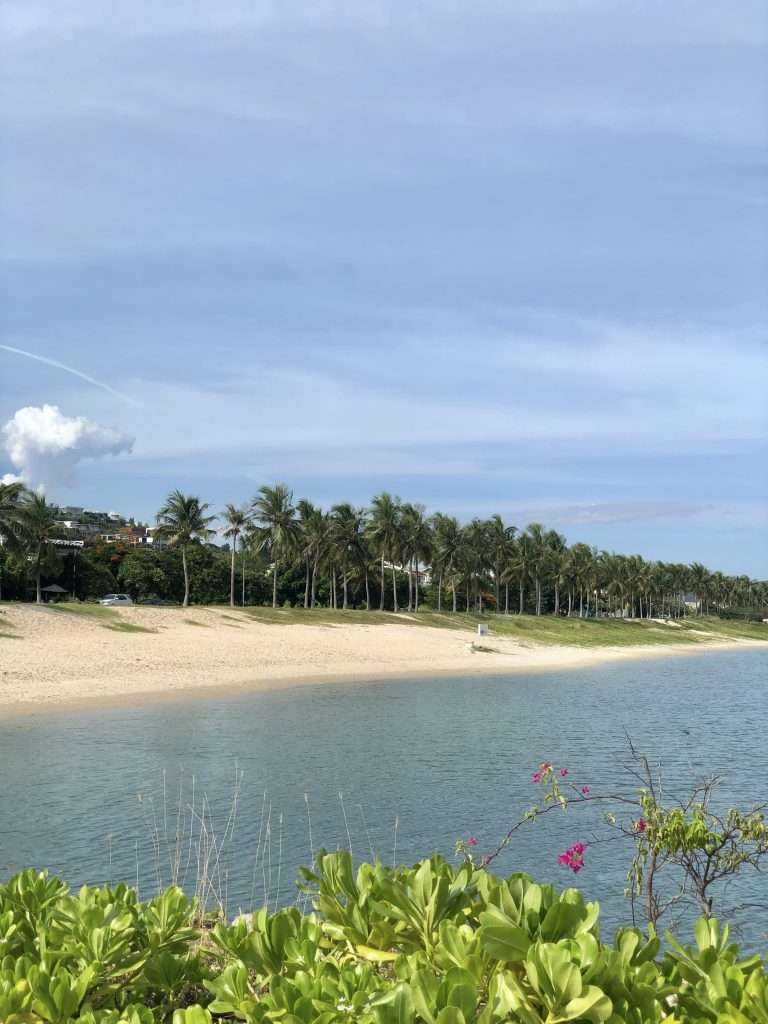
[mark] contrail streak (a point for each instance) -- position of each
(68, 369)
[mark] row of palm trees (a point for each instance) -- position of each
(475, 566)
(481, 565)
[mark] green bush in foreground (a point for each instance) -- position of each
(430, 944)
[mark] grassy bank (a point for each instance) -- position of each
(544, 630)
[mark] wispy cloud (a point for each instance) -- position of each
(47, 361)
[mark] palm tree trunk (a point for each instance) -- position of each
(38, 587)
(381, 599)
(394, 588)
(506, 598)
(410, 585)
(274, 585)
(557, 600)
(186, 575)
(570, 601)
(313, 590)
(232, 576)
(498, 591)
(344, 584)
(243, 596)
(453, 590)
(306, 584)
(440, 591)
(522, 598)
(416, 587)
(367, 593)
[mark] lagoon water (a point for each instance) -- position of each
(82, 792)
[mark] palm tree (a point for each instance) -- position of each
(384, 537)
(477, 553)
(346, 525)
(501, 539)
(442, 526)
(538, 558)
(10, 497)
(415, 545)
(278, 530)
(236, 520)
(182, 521)
(10, 504)
(554, 559)
(699, 577)
(449, 543)
(34, 530)
(520, 566)
(315, 531)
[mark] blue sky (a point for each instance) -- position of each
(500, 256)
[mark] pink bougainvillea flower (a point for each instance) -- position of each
(471, 841)
(573, 858)
(641, 825)
(585, 790)
(563, 772)
(542, 771)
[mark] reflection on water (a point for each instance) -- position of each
(83, 793)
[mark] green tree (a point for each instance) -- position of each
(181, 522)
(277, 529)
(141, 574)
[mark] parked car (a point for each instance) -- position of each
(116, 599)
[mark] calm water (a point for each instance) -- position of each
(445, 757)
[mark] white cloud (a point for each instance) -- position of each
(45, 446)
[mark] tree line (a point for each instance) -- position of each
(390, 555)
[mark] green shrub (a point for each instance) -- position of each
(432, 944)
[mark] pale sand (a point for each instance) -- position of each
(61, 659)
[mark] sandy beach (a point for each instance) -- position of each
(52, 658)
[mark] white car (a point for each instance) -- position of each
(113, 599)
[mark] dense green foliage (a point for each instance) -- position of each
(389, 556)
(429, 944)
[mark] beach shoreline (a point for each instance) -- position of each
(58, 660)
